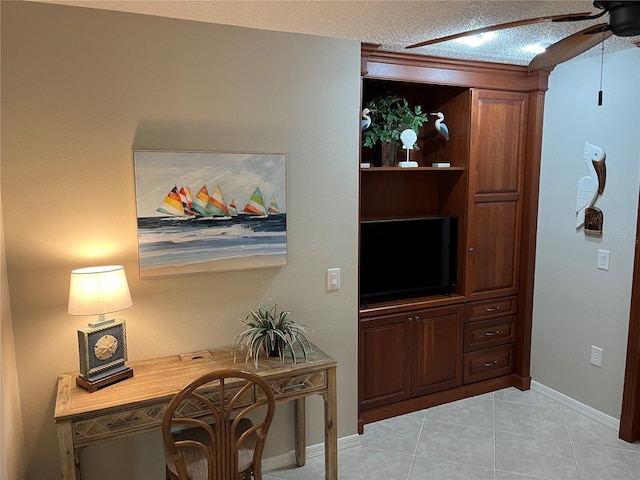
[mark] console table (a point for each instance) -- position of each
(136, 405)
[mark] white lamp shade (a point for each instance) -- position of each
(98, 290)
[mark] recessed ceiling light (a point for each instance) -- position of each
(477, 40)
(534, 48)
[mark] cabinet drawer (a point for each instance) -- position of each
(118, 424)
(489, 333)
(291, 386)
(488, 363)
(137, 420)
(491, 308)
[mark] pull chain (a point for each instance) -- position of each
(601, 70)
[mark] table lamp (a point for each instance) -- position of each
(409, 138)
(103, 344)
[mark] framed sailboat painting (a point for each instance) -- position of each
(207, 211)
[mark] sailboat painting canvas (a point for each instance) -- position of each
(209, 212)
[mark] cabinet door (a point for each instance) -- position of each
(384, 357)
(437, 349)
(497, 151)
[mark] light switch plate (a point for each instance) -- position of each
(333, 279)
(603, 259)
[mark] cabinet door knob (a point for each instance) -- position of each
(471, 249)
(417, 318)
(410, 319)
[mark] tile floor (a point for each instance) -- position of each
(504, 435)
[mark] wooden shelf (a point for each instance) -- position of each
(395, 306)
(412, 169)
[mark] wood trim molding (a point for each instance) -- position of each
(530, 199)
(444, 71)
(630, 416)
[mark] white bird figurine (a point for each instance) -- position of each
(441, 127)
(591, 187)
(366, 119)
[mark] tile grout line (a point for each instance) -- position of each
(573, 452)
(415, 450)
(495, 435)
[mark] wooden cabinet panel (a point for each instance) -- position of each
(437, 349)
(492, 248)
(490, 308)
(384, 352)
(411, 354)
(488, 363)
(489, 333)
(497, 141)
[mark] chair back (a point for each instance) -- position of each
(206, 430)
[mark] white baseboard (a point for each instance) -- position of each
(569, 402)
(288, 459)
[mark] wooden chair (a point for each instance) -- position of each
(207, 434)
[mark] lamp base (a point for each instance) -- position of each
(408, 164)
(92, 386)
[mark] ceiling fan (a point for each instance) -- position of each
(623, 21)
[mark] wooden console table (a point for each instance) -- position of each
(136, 405)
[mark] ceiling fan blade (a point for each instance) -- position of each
(570, 47)
(502, 26)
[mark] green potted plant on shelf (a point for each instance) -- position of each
(273, 333)
(390, 115)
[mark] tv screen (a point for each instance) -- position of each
(405, 258)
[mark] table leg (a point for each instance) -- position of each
(330, 427)
(68, 458)
(300, 418)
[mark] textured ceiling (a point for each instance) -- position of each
(392, 24)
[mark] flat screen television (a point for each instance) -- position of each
(406, 258)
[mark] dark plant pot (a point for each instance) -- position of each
(274, 353)
(389, 152)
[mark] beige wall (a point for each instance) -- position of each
(80, 89)
(575, 304)
(12, 453)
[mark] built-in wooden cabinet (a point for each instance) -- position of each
(418, 352)
(498, 136)
(410, 354)
(385, 360)
(436, 349)
(489, 338)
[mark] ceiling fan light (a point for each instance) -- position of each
(477, 40)
(534, 48)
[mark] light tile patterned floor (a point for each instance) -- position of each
(505, 435)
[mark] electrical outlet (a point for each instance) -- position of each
(596, 356)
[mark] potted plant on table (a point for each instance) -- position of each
(274, 333)
(390, 116)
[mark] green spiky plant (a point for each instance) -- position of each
(274, 333)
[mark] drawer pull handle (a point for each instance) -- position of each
(493, 309)
(492, 334)
(491, 364)
(293, 387)
(122, 424)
